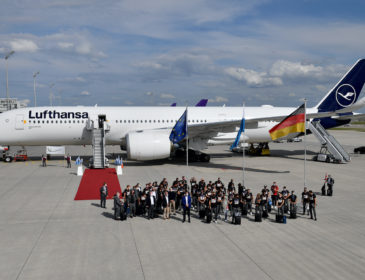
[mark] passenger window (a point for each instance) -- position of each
(78, 121)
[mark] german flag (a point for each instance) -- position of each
(291, 124)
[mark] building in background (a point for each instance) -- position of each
(12, 103)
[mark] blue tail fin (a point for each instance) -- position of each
(347, 90)
(173, 105)
(202, 103)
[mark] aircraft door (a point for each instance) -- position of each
(19, 122)
(101, 120)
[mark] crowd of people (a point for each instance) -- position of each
(210, 200)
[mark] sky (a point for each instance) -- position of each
(157, 52)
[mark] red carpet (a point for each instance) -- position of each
(93, 179)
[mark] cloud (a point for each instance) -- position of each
(176, 65)
(85, 93)
(23, 45)
(149, 93)
(218, 99)
(294, 69)
(253, 78)
(65, 45)
(167, 95)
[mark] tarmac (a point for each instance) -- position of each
(45, 234)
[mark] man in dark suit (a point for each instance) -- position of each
(117, 206)
(103, 195)
(186, 204)
(151, 203)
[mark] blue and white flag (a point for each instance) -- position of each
(78, 161)
(179, 132)
(240, 131)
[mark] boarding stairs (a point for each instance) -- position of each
(98, 143)
(98, 148)
(328, 142)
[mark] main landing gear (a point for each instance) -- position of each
(194, 156)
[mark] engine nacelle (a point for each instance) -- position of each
(148, 145)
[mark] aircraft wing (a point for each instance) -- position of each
(211, 129)
(206, 130)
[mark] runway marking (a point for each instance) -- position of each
(135, 244)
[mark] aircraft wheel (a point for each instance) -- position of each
(205, 158)
(8, 159)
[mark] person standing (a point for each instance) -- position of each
(44, 161)
(258, 206)
(117, 206)
(166, 205)
(213, 205)
(305, 200)
(248, 199)
(132, 203)
(68, 159)
(151, 202)
(285, 193)
(235, 207)
(172, 198)
(103, 195)
(280, 204)
(201, 205)
(312, 205)
(330, 182)
(274, 193)
(293, 203)
(186, 204)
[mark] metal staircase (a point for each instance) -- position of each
(328, 142)
(98, 128)
(98, 148)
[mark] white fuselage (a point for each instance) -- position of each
(67, 125)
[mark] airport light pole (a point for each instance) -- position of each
(7, 84)
(51, 94)
(35, 94)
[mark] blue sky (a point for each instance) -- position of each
(156, 52)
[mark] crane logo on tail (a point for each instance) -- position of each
(345, 95)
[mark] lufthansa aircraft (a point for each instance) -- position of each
(144, 131)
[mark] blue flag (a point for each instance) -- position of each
(179, 132)
(240, 131)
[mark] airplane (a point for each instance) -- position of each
(144, 131)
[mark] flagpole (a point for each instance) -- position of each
(187, 136)
(243, 150)
(305, 140)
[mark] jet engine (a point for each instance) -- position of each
(148, 145)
